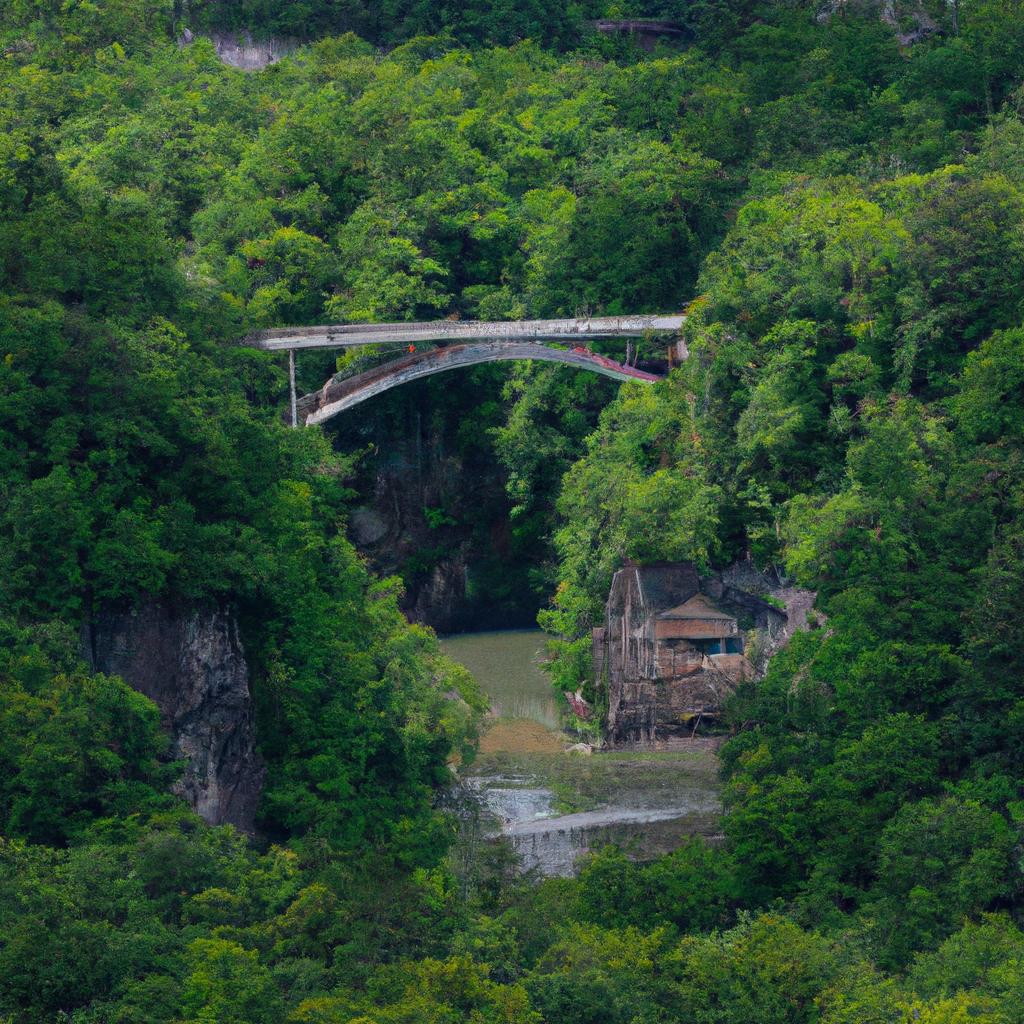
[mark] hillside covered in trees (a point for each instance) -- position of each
(840, 214)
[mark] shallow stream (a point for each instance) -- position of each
(554, 805)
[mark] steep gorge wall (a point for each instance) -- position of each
(241, 50)
(190, 662)
(434, 509)
(910, 20)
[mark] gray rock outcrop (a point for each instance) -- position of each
(909, 20)
(241, 50)
(191, 664)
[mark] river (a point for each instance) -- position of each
(553, 805)
(507, 664)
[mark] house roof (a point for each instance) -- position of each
(697, 607)
(663, 586)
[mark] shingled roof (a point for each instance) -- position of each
(665, 586)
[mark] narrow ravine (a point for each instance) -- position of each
(554, 804)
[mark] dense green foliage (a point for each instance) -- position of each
(473, 22)
(843, 221)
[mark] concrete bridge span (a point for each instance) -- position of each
(460, 343)
(341, 393)
(576, 329)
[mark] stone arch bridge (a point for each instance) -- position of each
(460, 343)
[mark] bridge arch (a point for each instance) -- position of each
(341, 393)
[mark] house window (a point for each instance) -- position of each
(734, 645)
(708, 646)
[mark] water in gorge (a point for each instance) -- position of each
(552, 804)
(507, 664)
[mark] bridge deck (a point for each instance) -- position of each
(578, 329)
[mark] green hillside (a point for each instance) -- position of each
(841, 216)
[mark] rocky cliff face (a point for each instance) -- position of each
(392, 533)
(241, 50)
(910, 20)
(191, 664)
(435, 509)
(742, 580)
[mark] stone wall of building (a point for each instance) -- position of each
(659, 683)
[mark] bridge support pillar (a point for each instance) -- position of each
(291, 385)
(678, 353)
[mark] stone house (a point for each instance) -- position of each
(672, 649)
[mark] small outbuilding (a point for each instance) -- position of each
(671, 649)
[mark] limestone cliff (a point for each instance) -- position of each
(910, 20)
(191, 664)
(241, 50)
(435, 510)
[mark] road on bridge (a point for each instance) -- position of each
(577, 329)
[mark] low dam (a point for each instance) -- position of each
(553, 804)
